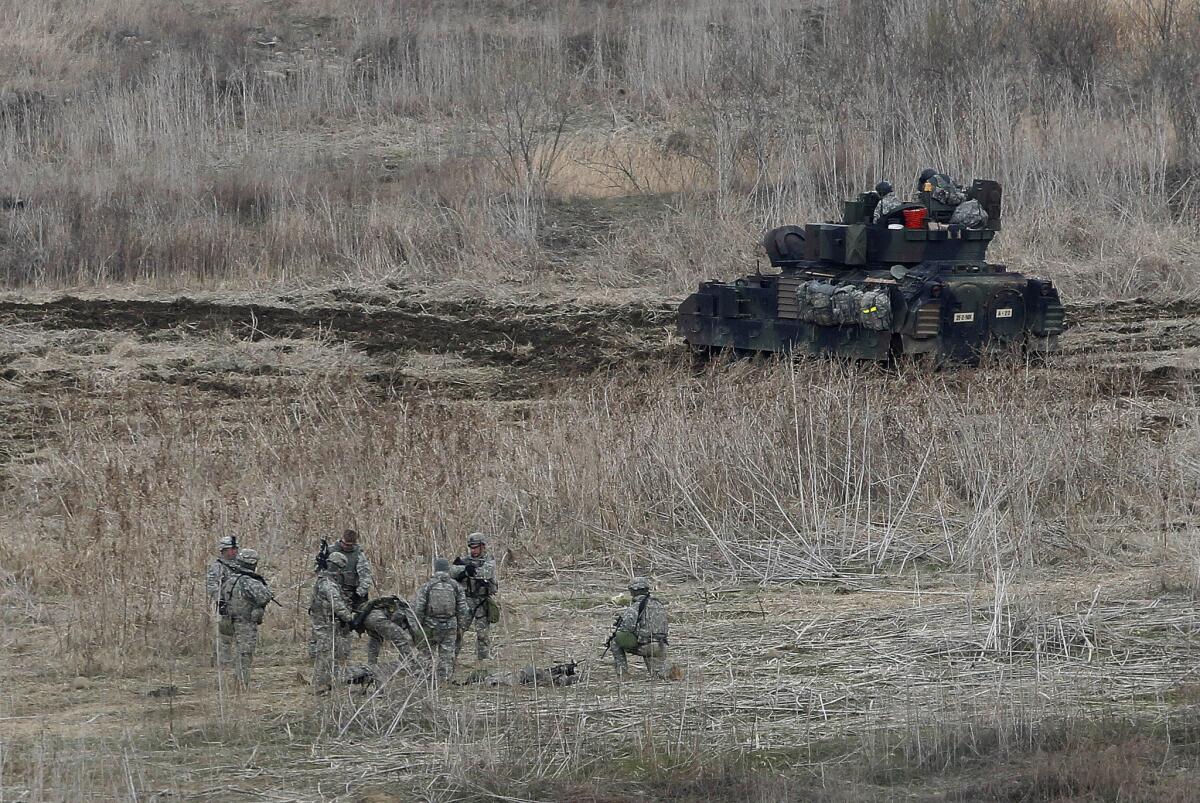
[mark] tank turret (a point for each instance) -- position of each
(890, 279)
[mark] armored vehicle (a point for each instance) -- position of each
(914, 281)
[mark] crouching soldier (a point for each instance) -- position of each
(441, 607)
(641, 629)
(476, 571)
(331, 621)
(391, 619)
(244, 598)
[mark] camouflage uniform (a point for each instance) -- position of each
(970, 214)
(940, 187)
(441, 607)
(214, 577)
(397, 624)
(331, 618)
(478, 578)
(643, 628)
(560, 675)
(886, 207)
(358, 576)
(246, 597)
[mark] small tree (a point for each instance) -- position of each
(1169, 34)
(526, 128)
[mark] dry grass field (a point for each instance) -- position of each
(279, 268)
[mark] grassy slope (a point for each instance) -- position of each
(522, 150)
(577, 145)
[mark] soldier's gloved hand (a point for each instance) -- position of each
(361, 593)
(470, 570)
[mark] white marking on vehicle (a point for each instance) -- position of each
(964, 317)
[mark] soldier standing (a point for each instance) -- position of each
(331, 620)
(245, 596)
(476, 571)
(379, 623)
(641, 629)
(441, 607)
(357, 577)
(213, 579)
(226, 552)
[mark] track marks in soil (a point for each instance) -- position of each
(480, 348)
(536, 342)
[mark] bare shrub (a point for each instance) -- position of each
(785, 109)
(1073, 37)
(773, 474)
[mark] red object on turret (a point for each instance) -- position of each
(915, 218)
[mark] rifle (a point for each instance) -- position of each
(258, 577)
(564, 670)
(323, 556)
(612, 635)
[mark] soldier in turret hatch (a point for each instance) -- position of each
(940, 187)
(888, 204)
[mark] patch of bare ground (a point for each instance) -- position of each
(470, 347)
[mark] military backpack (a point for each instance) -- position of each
(443, 601)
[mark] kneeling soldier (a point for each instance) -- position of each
(476, 571)
(441, 607)
(244, 598)
(641, 629)
(331, 621)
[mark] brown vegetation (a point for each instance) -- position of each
(239, 143)
(883, 584)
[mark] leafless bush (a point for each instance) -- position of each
(1072, 37)
(783, 473)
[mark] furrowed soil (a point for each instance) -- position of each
(463, 348)
(834, 689)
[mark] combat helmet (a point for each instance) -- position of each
(639, 586)
(335, 562)
(476, 539)
(228, 542)
(441, 565)
(248, 558)
(883, 188)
